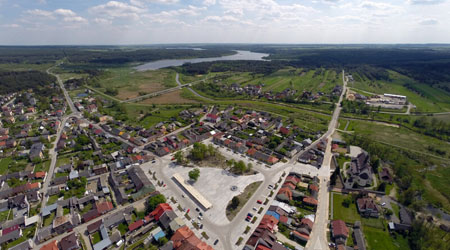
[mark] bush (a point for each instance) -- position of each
(194, 174)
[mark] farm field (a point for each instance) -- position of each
(399, 137)
(174, 97)
(130, 83)
(426, 98)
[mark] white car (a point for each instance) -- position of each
(383, 204)
(200, 218)
(254, 208)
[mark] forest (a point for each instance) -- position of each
(100, 55)
(13, 81)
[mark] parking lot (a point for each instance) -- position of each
(215, 185)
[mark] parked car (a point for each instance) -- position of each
(383, 204)
(259, 201)
(216, 241)
(197, 209)
(250, 214)
(254, 209)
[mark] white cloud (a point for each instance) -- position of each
(114, 9)
(64, 15)
(12, 25)
(428, 21)
(209, 2)
(426, 2)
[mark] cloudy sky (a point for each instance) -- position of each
(28, 22)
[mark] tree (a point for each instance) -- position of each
(346, 202)
(155, 200)
(194, 174)
(162, 241)
(179, 157)
(249, 167)
(235, 202)
(389, 212)
(239, 167)
(375, 165)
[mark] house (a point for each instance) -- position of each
(184, 238)
(104, 207)
(284, 131)
(358, 237)
(138, 177)
(367, 207)
(166, 218)
(69, 242)
(92, 108)
(90, 215)
(300, 236)
(100, 169)
(10, 235)
(26, 245)
(386, 176)
(339, 231)
(310, 201)
(269, 222)
(62, 224)
(51, 246)
(135, 225)
(360, 171)
(261, 235)
(160, 210)
(36, 151)
(212, 118)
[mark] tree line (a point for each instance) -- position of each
(14, 81)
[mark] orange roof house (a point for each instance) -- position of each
(160, 210)
(184, 238)
(51, 246)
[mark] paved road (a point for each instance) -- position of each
(177, 78)
(52, 152)
(180, 85)
(318, 238)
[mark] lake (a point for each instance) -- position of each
(241, 55)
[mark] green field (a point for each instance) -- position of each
(131, 83)
(400, 137)
(375, 231)
(4, 164)
(381, 239)
(349, 215)
(426, 98)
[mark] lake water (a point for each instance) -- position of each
(241, 55)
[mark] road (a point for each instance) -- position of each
(52, 152)
(177, 79)
(180, 86)
(318, 238)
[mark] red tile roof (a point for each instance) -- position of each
(307, 222)
(104, 207)
(284, 130)
(286, 191)
(40, 174)
(51, 246)
(339, 228)
(310, 201)
(135, 225)
(251, 151)
(160, 210)
(301, 235)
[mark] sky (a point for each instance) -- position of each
(103, 22)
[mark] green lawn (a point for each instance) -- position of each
(96, 237)
(379, 239)
(27, 233)
(4, 215)
(86, 208)
(4, 163)
(62, 161)
(48, 220)
(42, 166)
(52, 199)
(349, 215)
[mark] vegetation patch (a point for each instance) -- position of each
(239, 201)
